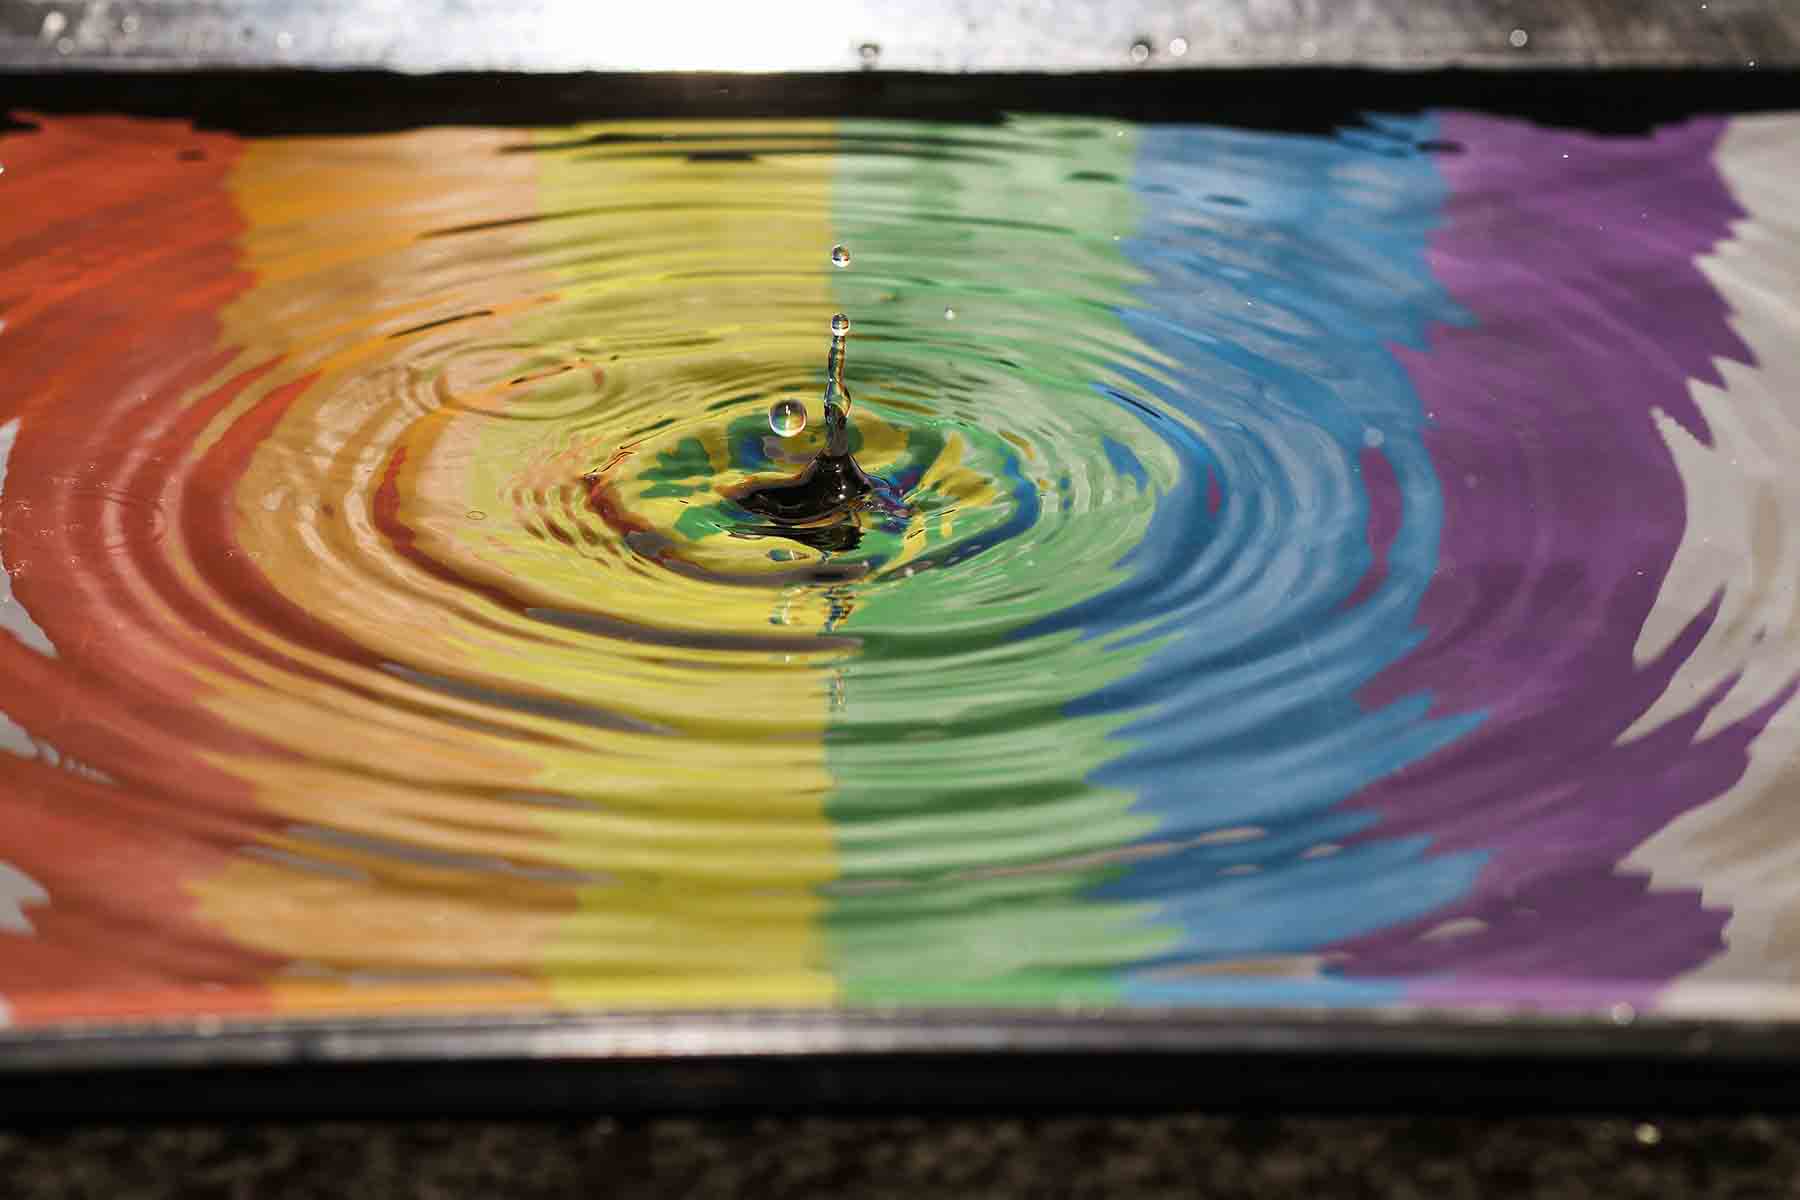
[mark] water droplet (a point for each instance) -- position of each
(1622, 1013)
(128, 24)
(840, 325)
(949, 314)
(1140, 52)
(1518, 38)
(1373, 438)
(787, 417)
(840, 256)
(65, 45)
(870, 53)
(54, 24)
(1178, 46)
(1647, 1134)
(284, 40)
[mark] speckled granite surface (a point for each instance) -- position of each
(1396, 1159)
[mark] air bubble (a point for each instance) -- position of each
(840, 256)
(1518, 38)
(1140, 52)
(840, 325)
(787, 417)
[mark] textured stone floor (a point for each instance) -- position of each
(1397, 1159)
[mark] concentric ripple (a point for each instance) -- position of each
(1248, 609)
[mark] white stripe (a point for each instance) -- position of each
(14, 739)
(1742, 547)
(17, 889)
(13, 617)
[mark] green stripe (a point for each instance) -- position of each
(957, 783)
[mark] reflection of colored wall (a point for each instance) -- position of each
(118, 253)
(1297, 252)
(297, 444)
(716, 905)
(1574, 255)
(966, 854)
(343, 218)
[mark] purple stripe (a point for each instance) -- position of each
(1575, 256)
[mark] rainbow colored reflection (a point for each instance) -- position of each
(1332, 571)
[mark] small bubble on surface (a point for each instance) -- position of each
(840, 325)
(840, 256)
(475, 514)
(870, 53)
(1140, 52)
(1517, 38)
(787, 417)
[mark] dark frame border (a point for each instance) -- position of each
(1299, 100)
(837, 1061)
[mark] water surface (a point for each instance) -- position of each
(1328, 570)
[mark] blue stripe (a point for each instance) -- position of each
(1279, 272)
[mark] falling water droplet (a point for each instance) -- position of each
(840, 325)
(840, 256)
(1140, 52)
(787, 417)
(1518, 38)
(949, 314)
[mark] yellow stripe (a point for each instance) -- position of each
(713, 865)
